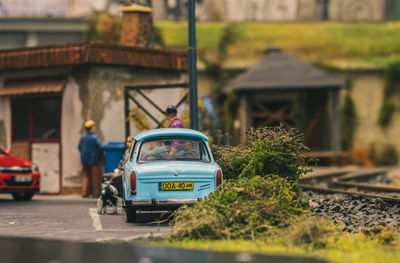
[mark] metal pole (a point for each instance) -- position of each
(194, 122)
(126, 105)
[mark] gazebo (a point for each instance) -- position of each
(284, 90)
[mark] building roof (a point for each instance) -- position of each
(43, 24)
(279, 70)
(93, 53)
(170, 132)
(50, 85)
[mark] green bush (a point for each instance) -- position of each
(247, 208)
(385, 235)
(313, 232)
(260, 190)
(270, 150)
(275, 151)
(104, 27)
(232, 160)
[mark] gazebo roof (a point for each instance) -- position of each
(279, 70)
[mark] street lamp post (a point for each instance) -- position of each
(194, 122)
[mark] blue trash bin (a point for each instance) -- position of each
(113, 154)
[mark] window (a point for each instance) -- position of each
(21, 119)
(36, 119)
(173, 149)
(46, 119)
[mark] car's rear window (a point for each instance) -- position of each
(173, 149)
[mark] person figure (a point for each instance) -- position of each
(154, 150)
(175, 122)
(125, 156)
(91, 150)
(176, 146)
(118, 172)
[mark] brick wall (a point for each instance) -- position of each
(136, 29)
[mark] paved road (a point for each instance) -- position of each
(72, 218)
(23, 250)
(68, 229)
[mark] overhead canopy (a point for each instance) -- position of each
(17, 87)
(279, 70)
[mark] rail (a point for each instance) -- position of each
(342, 182)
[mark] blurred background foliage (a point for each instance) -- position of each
(391, 101)
(104, 27)
(338, 44)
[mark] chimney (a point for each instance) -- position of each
(136, 26)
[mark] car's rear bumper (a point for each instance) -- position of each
(158, 204)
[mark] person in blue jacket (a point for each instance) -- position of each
(91, 150)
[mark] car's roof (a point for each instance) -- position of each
(170, 132)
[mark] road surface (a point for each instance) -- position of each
(72, 218)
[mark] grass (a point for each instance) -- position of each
(338, 44)
(348, 248)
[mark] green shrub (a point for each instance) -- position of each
(260, 190)
(313, 232)
(247, 208)
(104, 27)
(232, 160)
(275, 151)
(384, 235)
(270, 150)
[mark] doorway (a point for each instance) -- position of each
(36, 128)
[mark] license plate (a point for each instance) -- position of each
(22, 179)
(176, 186)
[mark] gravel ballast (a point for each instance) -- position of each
(355, 212)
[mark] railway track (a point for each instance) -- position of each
(348, 183)
(356, 199)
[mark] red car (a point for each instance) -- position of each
(18, 176)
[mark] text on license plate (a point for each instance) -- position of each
(20, 178)
(176, 186)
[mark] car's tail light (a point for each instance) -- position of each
(219, 179)
(133, 183)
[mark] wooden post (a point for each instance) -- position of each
(244, 115)
(334, 119)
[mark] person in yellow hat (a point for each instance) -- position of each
(91, 149)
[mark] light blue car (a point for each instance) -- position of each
(166, 169)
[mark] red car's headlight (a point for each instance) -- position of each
(35, 168)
